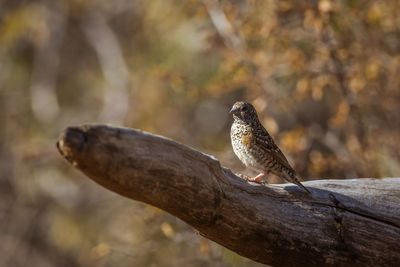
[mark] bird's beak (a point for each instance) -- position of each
(234, 110)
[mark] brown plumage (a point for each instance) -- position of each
(255, 147)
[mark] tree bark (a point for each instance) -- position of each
(343, 223)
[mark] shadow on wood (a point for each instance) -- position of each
(343, 222)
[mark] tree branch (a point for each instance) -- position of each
(344, 222)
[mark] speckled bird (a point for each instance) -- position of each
(255, 147)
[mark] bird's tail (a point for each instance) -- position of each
(291, 177)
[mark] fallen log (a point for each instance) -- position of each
(350, 222)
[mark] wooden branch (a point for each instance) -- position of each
(345, 222)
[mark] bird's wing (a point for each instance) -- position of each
(266, 143)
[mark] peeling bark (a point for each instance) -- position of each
(344, 222)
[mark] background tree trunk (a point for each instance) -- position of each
(344, 222)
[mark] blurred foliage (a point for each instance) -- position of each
(324, 76)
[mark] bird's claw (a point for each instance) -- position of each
(255, 180)
(251, 179)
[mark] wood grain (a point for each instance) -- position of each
(352, 222)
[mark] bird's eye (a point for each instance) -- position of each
(244, 108)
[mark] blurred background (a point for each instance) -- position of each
(323, 75)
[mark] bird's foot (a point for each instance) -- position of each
(257, 178)
(253, 179)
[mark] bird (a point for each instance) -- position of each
(254, 146)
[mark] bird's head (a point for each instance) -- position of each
(244, 112)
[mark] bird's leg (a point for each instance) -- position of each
(253, 179)
(257, 178)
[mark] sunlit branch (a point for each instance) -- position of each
(344, 222)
